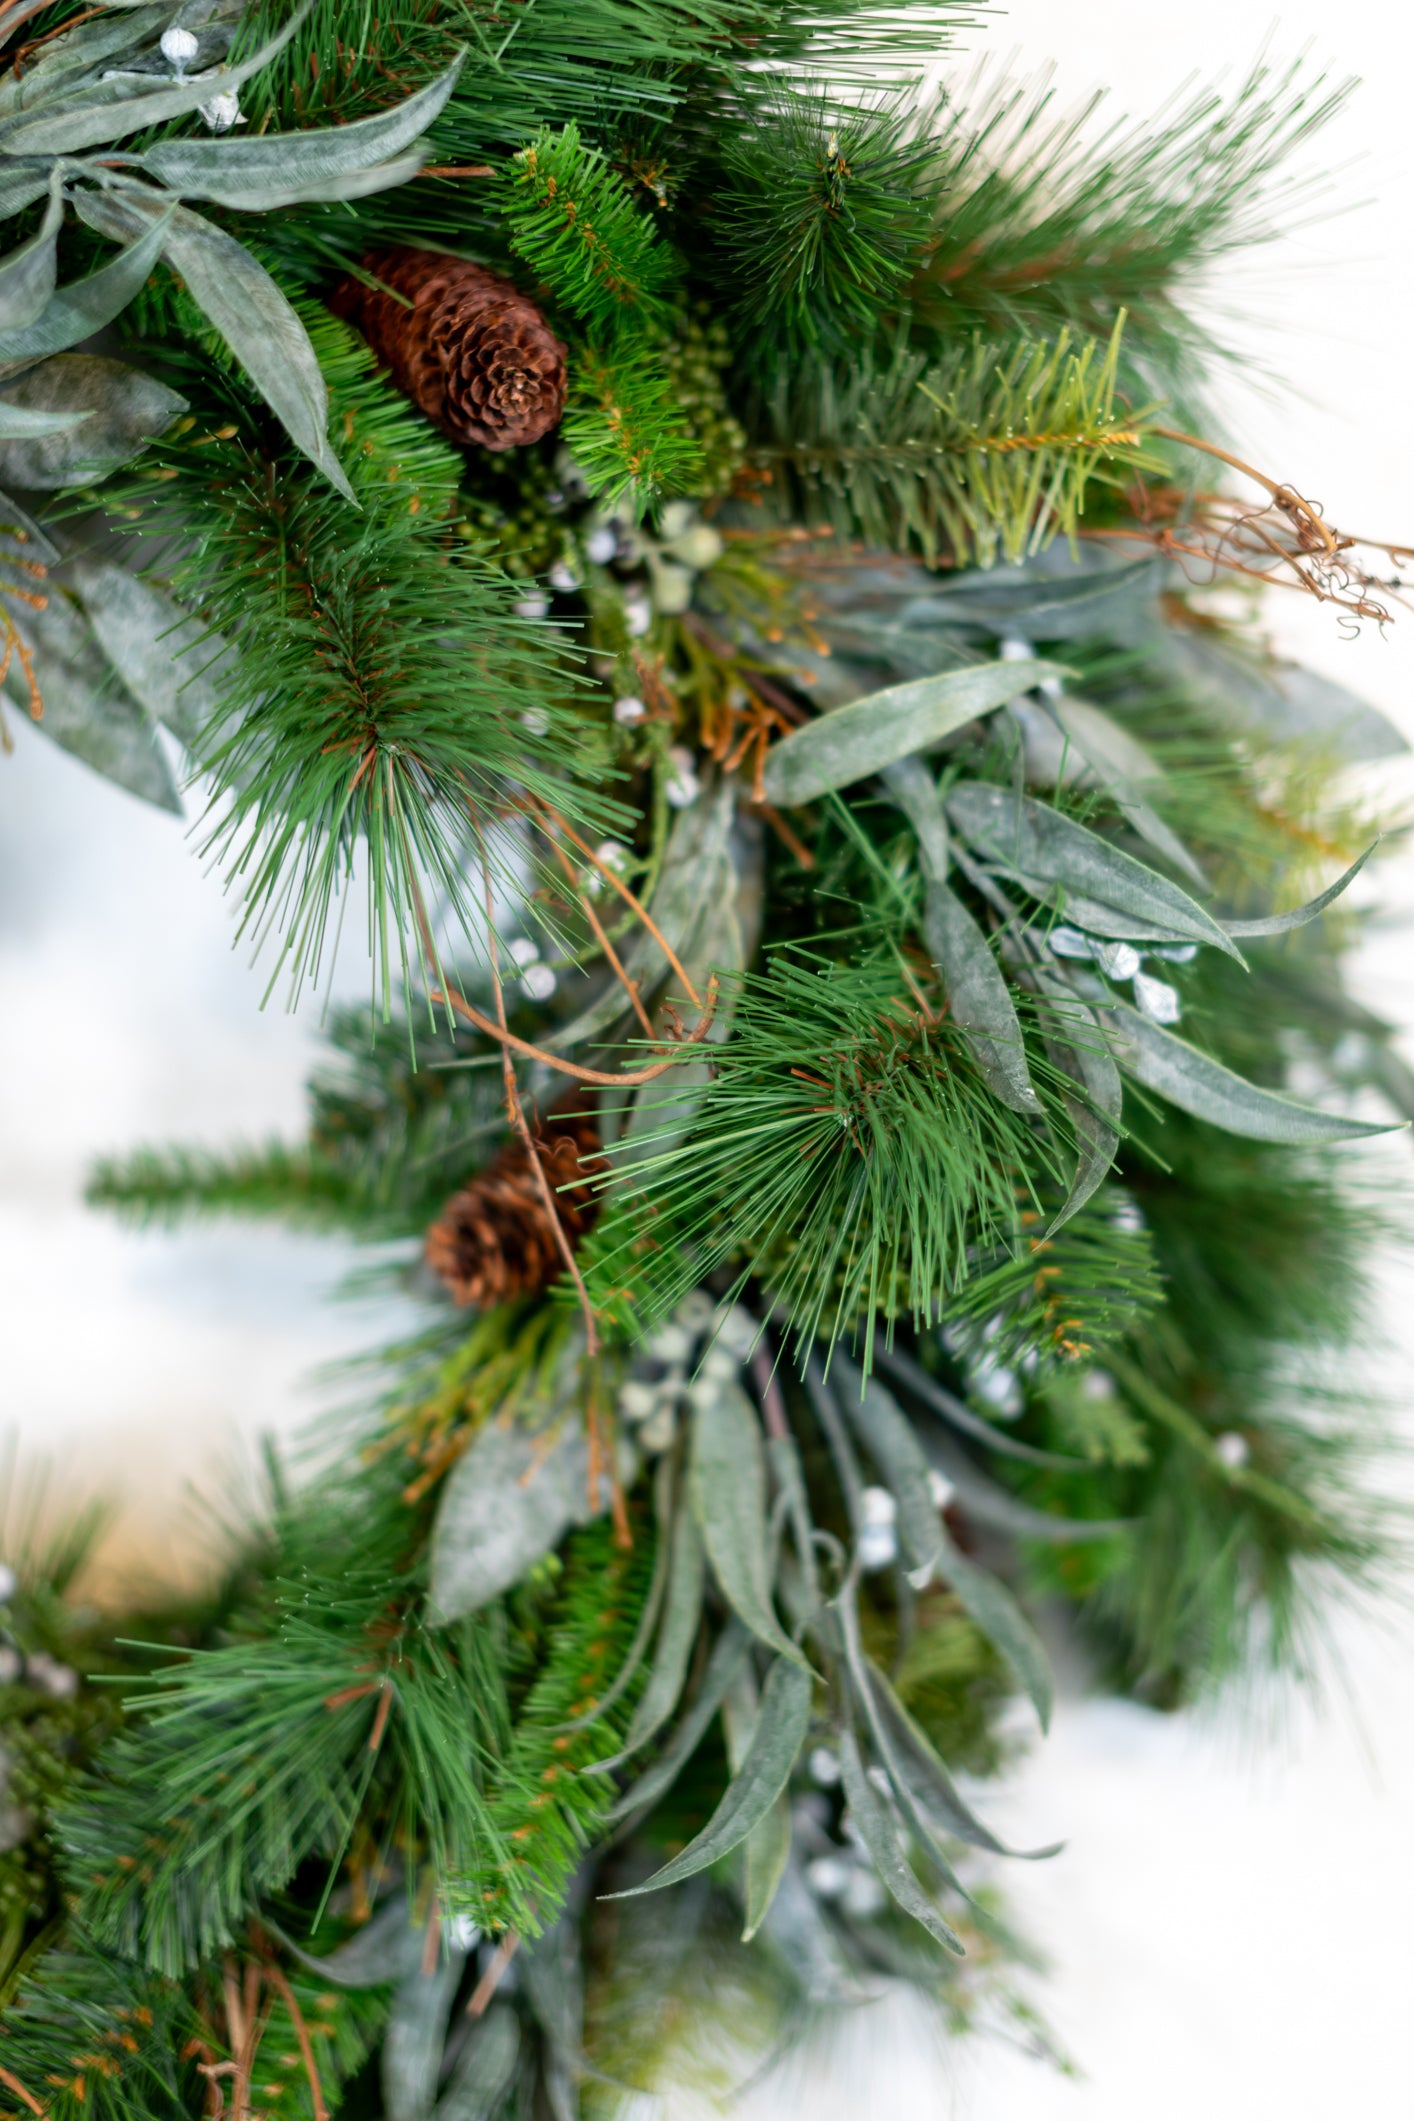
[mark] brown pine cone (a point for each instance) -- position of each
(494, 1240)
(473, 353)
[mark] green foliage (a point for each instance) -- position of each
(1047, 223)
(624, 426)
(575, 222)
(388, 1142)
(819, 217)
(971, 453)
(848, 1152)
(363, 695)
(1059, 1296)
(546, 1811)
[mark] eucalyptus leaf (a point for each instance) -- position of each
(958, 1415)
(652, 1604)
(357, 184)
(983, 1500)
(123, 27)
(246, 307)
(108, 410)
(915, 791)
(108, 108)
(775, 1746)
(388, 1948)
(979, 998)
(27, 276)
(416, 2034)
(723, 1665)
(1095, 1105)
(1198, 1084)
(1043, 850)
(931, 1785)
(83, 307)
(1123, 766)
(767, 1854)
(21, 184)
(288, 164)
(86, 710)
(729, 1497)
(1283, 923)
(1279, 700)
(682, 1615)
(1004, 1624)
(849, 743)
(508, 1501)
(879, 1834)
(162, 654)
(889, 1437)
(484, 2069)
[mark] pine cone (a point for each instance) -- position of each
(495, 1240)
(473, 352)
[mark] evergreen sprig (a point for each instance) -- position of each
(972, 455)
(575, 222)
(625, 427)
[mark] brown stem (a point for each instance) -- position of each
(516, 1112)
(275, 1974)
(623, 1081)
(612, 878)
(629, 986)
(491, 1980)
(8, 2078)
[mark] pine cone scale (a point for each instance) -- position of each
(469, 349)
(495, 1240)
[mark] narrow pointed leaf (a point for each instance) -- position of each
(27, 276)
(979, 997)
(1123, 766)
(507, 1502)
(652, 1605)
(767, 1854)
(484, 2068)
(729, 1496)
(682, 1615)
(1046, 852)
(357, 184)
(85, 306)
(852, 742)
(285, 163)
(879, 1834)
(984, 1501)
(959, 1415)
(86, 710)
(1205, 1088)
(162, 654)
(722, 1667)
(246, 307)
(915, 791)
(1095, 1115)
(1283, 923)
(106, 109)
(888, 1436)
(775, 1746)
(416, 2036)
(23, 423)
(929, 1780)
(1004, 1624)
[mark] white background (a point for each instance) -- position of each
(1228, 1922)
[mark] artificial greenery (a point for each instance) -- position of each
(805, 776)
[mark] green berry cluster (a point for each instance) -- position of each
(696, 362)
(514, 513)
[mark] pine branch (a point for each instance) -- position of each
(624, 425)
(980, 454)
(575, 222)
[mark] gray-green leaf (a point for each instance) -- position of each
(484, 2068)
(105, 412)
(1095, 1114)
(1123, 766)
(104, 110)
(1004, 1624)
(1283, 923)
(86, 710)
(959, 1415)
(27, 275)
(979, 997)
(507, 1502)
(287, 165)
(880, 1837)
(85, 306)
(722, 1667)
(775, 1746)
(888, 1436)
(1198, 1084)
(682, 1613)
(1105, 889)
(729, 1497)
(416, 2036)
(161, 653)
(852, 742)
(246, 307)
